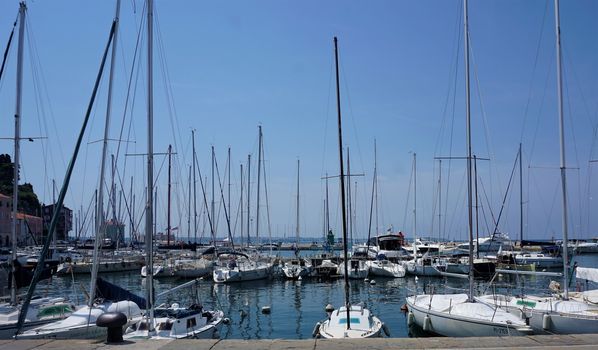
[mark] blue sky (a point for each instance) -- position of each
(228, 67)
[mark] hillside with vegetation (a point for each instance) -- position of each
(28, 201)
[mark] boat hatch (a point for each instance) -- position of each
(354, 320)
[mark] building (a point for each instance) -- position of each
(29, 227)
(5, 219)
(65, 221)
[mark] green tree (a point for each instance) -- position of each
(28, 201)
(6, 174)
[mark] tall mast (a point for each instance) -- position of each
(189, 207)
(100, 225)
(520, 196)
(439, 200)
(342, 186)
(375, 188)
(475, 186)
(297, 225)
(113, 187)
(349, 202)
(563, 164)
(228, 166)
(169, 188)
(259, 171)
(327, 209)
(149, 213)
(241, 206)
(248, 197)
(468, 131)
(415, 194)
(15, 182)
(213, 206)
(194, 190)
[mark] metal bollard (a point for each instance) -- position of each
(114, 322)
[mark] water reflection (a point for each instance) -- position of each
(296, 306)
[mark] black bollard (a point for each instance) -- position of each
(114, 321)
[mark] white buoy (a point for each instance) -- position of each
(372, 282)
(226, 320)
(410, 318)
(299, 279)
(266, 309)
(427, 324)
(546, 322)
(366, 280)
(329, 308)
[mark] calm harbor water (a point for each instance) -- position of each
(296, 306)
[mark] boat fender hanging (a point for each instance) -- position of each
(316, 331)
(546, 322)
(427, 324)
(366, 280)
(410, 318)
(329, 308)
(372, 282)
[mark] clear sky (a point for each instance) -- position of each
(225, 67)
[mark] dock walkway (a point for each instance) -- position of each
(583, 341)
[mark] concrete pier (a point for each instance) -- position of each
(583, 341)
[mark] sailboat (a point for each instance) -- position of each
(42, 310)
(382, 266)
(237, 266)
(104, 297)
(297, 267)
(424, 265)
(460, 315)
(167, 321)
(554, 314)
(348, 321)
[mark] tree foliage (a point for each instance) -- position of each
(28, 201)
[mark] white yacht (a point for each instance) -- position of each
(297, 268)
(175, 322)
(357, 269)
(238, 267)
(363, 324)
(454, 315)
(385, 268)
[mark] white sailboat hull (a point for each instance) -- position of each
(549, 315)
(363, 324)
(241, 274)
(452, 316)
(386, 269)
(357, 270)
(82, 323)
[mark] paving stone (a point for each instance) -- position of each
(582, 341)
(24, 344)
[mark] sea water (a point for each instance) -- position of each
(296, 306)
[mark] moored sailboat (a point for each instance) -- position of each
(459, 315)
(348, 321)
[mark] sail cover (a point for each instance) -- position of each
(587, 273)
(113, 292)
